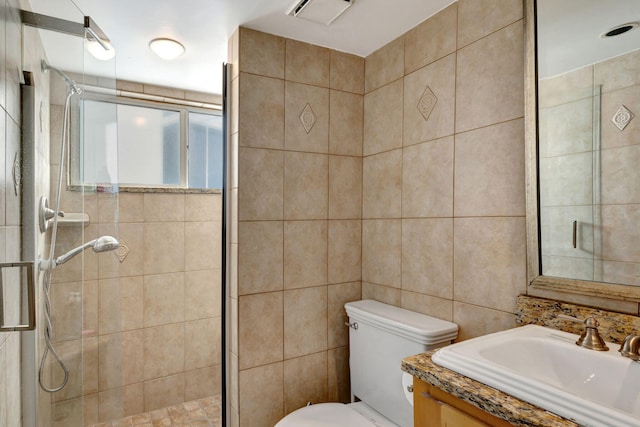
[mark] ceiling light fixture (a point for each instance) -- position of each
(166, 48)
(99, 52)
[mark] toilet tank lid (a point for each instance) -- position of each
(415, 326)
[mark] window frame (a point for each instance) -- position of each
(182, 108)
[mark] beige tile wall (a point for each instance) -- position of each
(144, 333)
(443, 226)
(298, 198)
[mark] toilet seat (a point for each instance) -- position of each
(335, 415)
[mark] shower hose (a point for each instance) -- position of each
(48, 328)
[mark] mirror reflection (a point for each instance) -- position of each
(589, 139)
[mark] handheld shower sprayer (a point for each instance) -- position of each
(101, 244)
(68, 80)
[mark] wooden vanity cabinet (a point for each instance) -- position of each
(433, 407)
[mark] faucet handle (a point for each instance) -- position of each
(590, 338)
(630, 347)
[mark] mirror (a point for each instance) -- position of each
(584, 179)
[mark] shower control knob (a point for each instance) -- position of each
(46, 213)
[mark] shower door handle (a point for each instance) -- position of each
(26, 299)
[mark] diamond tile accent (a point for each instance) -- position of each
(123, 251)
(427, 103)
(307, 118)
(622, 117)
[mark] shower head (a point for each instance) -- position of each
(68, 80)
(101, 244)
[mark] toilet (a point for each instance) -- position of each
(380, 336)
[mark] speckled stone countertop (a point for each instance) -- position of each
(488, 399)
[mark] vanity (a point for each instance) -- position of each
(443, 397)
(575, 375)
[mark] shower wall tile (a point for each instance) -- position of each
(620, 178)
(163, 351)
(3, 178)
(163, 392)
(163, 207)
(202, 294)
(201, 347)
(431, 121)
(431, 40)
(130, 234)
(261, 253)
(305, 380)
(90, 308)
(260, 53)
(384, 65)
(383, 119)
(346, 111)
(163, 299)
(618, 73)
(344, 251)
(201, 383)
(12, 160)
(305, 254)
(309, 103)
(120, 304)
(90, 366)
(12, 62)
(71, 354)
(120, 402)
(163, 247)
(347, 72)
(202, 207)
(261, 106)
(489, 83)
(120, 359)
(305, 321)
(306, 179)
(345, 187)
(477, 19)
(307, 63)
(202, 245)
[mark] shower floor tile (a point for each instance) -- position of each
(197, 413)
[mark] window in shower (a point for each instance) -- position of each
(144, 144)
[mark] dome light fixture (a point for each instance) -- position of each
(166, 48)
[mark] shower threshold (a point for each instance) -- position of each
(196, 413)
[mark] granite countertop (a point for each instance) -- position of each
(488, 399)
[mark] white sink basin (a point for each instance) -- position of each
(545, 367)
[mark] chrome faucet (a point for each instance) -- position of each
(631, 347)
(590, 338)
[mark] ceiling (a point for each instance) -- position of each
(204, 27)
(569, 33)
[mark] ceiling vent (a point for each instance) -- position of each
(322, 11)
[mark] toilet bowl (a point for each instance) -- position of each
(356, 414)
(380, 336)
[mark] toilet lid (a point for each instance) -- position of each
(325, 415)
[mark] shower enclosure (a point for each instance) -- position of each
(135, 321)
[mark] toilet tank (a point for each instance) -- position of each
(380, 336)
